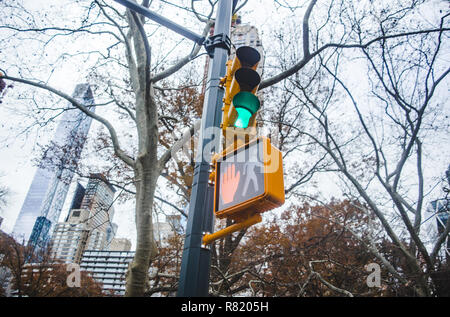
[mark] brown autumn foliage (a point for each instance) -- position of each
(306, 247)
(181, 108)
(51, 281)
(36, 274)
(283, 257)
(165, 269)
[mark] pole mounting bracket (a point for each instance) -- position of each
(219, 40)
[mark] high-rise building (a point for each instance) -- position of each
(440, 210)
(108, 268)
(120, 244)
(48, 190)
(90, 226)
(77, 198)
(162, 231)
(40, 233)
(240, 35)
(70, 237)
(98, 198)
(246, 35)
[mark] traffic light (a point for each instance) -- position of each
(241, 83)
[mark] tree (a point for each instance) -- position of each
(376, 143)
(165, 270)
(309, 250)
(4, 193)
(141, 111)
(37, 274)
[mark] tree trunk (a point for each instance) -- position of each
(146, 250)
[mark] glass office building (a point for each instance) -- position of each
(48, 190)
(40, 235)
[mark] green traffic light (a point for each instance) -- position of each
(246, 105)
(243, 118)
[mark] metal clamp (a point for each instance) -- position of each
(218, 40)
(204, 245)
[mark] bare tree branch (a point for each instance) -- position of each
(300, 64)
(117, 150)
(182, 62)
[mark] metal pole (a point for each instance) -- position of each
(162, 20)
(195, 265)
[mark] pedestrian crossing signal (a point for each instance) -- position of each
(248, 180)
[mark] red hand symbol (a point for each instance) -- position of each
(229, 183)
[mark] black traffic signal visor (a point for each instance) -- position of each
(248, 56)
(247, 79)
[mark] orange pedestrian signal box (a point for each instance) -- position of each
(248, 180)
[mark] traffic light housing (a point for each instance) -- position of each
(248, 180)
(248, 174)
(241, 84)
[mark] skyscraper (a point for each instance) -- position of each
(69, 238)
(246, 35)
(48, 190)
(89, 227)
(240, 35)
(40, 234)
(98, 198)
(77, 198)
